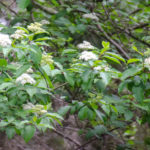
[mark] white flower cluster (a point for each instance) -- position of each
(35, 27)
(5, 40)
(91, 16)
(18, 34)
(99, 68)
(39, 109)
(46, 59)
(147, 61)
(25, 78)
(85, 45)
(44, 22)
(88, 56)
(30, 70)
(28, 106)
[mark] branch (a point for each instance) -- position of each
(85, 144)
(68, 138)
(94, 139)
(135, 11)
(113, 41)
(136, 38)
(61, 85)
(45, 9)
(11, 10)
(140, 26)
(138, 10)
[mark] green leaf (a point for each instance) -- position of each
(6, 51)
(69, 51)
(5, 85)
(23, 3)
(63, 110)
(36, 54)
(31, 91)
(105, 77)
(55, 2)
(100, 85)
(82, 114)
(128, 115)
(100, 115)
(122, 85)
(3, 123)
(28, 133)
(133, 60)
(138, 92)
(69, 78)
(10, 132)
(55, 72)
(86, 75)
(116, 56)
(3, 62)
(99, 130)
(146, 100)
(24, 29)
(106, 44)
(43, 39)
(114, 109)
(135, 48)
(54, 115)
(130, 72)
(59, 65)
(22, 69)
(112, 59)
(46, 77)
(145, 107)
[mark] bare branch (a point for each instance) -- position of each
(113, 42)
(45, 9)
(85, 144)
(140, 26)
(11, 10)
(68, 138)
(136, 38)
(61, 85)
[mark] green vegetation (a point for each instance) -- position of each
(94, 56)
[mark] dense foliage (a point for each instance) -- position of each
(92, 55)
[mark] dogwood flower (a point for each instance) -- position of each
(28, 106)
(44, 22)
(4, 40)
(35, 27)
(39, 109)
(25, 78)
(88, 55)
(147, 61)
(98, 68)
(18, 34)
(85, 45)
(46, 59)
(30, 70)
(91, 16)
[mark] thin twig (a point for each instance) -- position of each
(85, 144)
(61, 85)
(135, 11)
(140, 26)
(43, 8)
(113, 41)
(68, 138)
(136, 38)
(11, 10)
